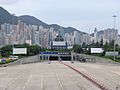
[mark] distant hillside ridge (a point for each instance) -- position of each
(6, 17)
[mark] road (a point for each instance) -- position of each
(42, 76)
(107, 74)
(56, 76)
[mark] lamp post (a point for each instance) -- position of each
(114, 16)
(13, 32)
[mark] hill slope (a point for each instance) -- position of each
(6, 17)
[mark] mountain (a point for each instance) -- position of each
(6, 17)
(66, 29)
(32, 20)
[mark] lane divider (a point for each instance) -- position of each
(88, 77)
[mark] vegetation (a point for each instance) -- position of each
(77, 48)
(106, 47)
(31, 50)
(35, 49)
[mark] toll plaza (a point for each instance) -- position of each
(55, 56)
(65, 56)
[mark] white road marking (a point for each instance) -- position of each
(41, 83)
(73, 77)
(60, 83)
(11, 82)
(118, 73)
(28, 80)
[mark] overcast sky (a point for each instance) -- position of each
(84, 15)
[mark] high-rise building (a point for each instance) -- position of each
(86, 39)
(76, 37)
(110, 35)
(118, 40)
(95, 35)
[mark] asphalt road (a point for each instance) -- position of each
(107, 74)
(43, 76)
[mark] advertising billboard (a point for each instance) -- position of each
(19, 50)
(111, 53)
(97, 50)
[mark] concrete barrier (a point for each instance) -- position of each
(100, 59)
(26, 60)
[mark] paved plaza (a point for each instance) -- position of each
(56, 76)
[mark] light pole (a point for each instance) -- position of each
(114, 16)
(13, 32)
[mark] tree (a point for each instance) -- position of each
(97, 44)
(31, 50)
(112, 45)
(6, 50)
(101, 43)
(34, 49)
(106, 47)
(77, 48)
(117, 48)
(84, 45)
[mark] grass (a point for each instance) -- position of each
(7, 61)
(108, 57)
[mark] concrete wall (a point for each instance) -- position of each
(100, 59)
(26, 60)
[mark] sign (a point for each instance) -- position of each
(48, 52)
(97, 50)
(111, 53)
(64, 53)
(59, 43)
(19, 50)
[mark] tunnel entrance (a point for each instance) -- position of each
(62, 58)
(65, 58)
(53, 58)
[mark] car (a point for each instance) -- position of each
(2, 61)
(13, 57)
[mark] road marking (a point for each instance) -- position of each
(60, 83)
(11, 82)
(41, 83)
(28, 80)
(81, 86)
(74, 78)
(118, 73)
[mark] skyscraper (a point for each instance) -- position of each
(95, 35)
(110, 35)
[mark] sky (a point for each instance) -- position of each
(83, 15)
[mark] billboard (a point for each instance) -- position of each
(97, 50)
(111, 53)
(19, 50)
(59, 43)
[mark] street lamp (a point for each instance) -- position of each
(13, 32)
(114, 16)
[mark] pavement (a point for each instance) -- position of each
(107, 74)
(42, 76)
(56, 76)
